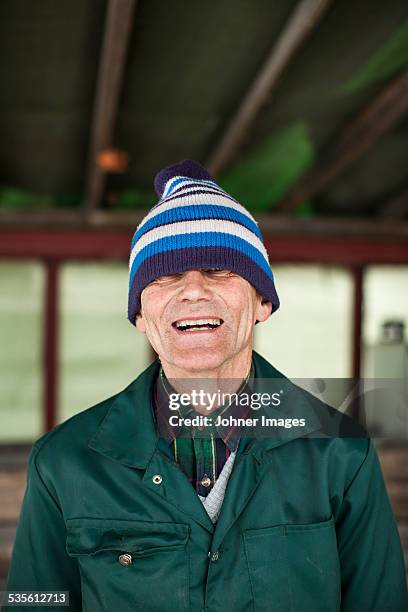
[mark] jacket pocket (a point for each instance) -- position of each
(294, 568)
(130, 565)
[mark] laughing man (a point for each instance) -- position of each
(125, 515)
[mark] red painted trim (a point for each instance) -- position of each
(68, 244)
(111, 244)
(50, 346)
(357, 320)
(350, 251)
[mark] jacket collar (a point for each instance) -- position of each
(128, 433)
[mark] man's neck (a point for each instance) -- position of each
(235, 367)
(227, 377)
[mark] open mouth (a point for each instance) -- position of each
(194, 325)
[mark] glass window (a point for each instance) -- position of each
(21, 303)
(385, 349)
(385, 299)
(311, 333)
(100, 351)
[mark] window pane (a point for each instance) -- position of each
(101, 352)
(385, 351)
(385, 297)
(21, 301)
(311, 333)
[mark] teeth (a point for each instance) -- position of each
(196, 322)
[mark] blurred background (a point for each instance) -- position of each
(299, 108)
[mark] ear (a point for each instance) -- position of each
(140, 323)
(263, 309)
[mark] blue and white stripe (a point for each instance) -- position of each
(178, 182)
(197, 223)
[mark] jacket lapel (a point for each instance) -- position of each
(128, 435)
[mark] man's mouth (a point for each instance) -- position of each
(197, 324)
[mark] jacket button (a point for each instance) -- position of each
(206, 481)
(215, 556)
(157, 479)
(125, 559)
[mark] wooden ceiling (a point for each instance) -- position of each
(298, 108)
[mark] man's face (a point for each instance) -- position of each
(213, 294)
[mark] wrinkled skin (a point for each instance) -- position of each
(210, 293)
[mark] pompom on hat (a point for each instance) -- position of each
(196, 225)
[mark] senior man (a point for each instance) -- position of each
(125, 514)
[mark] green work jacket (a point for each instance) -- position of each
(306, 523)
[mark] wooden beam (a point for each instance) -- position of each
(269, 224)
(357, 321)
(93, 244)
(355, 409)
(344, 251)
(50, 218)
(380, 116)
(50, 346)
(119, 22)
(302, 22)
(329, 226)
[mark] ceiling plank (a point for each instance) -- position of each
(379, 117)
(270, 225)
(302, 22)
(118, 27)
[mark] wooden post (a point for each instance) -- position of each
(302, 23)
(50, 345)
(379, 117)
(118, 28)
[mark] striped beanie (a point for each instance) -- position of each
(196, 225)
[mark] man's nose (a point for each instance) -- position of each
(194, 285)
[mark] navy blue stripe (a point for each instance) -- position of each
(195, 212)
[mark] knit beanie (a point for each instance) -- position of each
(196, 225)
